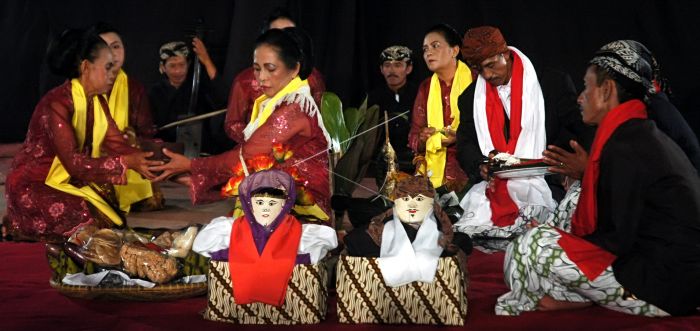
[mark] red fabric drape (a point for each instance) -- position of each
(503, 210)
(263, 277)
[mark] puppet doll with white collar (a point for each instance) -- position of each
(409, 238)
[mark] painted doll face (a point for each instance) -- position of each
(266, 208)
(413, 209)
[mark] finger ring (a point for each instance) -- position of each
(561, 164)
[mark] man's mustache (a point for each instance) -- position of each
(392, 75)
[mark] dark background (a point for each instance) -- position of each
(348, 36)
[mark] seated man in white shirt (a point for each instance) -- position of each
(515, 109)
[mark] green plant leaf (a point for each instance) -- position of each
(334, 121)
(354, 117)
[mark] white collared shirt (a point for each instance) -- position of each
(504, 94)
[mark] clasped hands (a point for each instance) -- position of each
(178, 164)
(449, 135)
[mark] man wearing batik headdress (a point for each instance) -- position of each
(409, 238)
(666, 116)
(170, 97)
(395, 97)
(514, 109)
(633, 245)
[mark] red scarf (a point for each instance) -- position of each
(591, 259)
(503, 210)
(263, 277)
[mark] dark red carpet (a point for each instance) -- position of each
(27, 302)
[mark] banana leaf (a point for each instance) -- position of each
(333, 120)
(354, 117)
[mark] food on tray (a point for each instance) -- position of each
(159, 259)
(506, 161)
(103, 248)
(182, 242)
(146, 263)
(75, 252)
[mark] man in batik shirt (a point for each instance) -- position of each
(633, 245)
(396, 98)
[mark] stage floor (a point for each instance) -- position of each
(27, 302)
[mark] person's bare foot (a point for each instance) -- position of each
(532, 224)
(548, 303)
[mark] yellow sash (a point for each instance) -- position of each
(138, 188)
(294, 85)
(58, 177)
(119, 100)
(435, 154)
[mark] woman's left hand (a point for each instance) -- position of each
(178, 164)
(449, 138)
(425, 133)
(138, 162)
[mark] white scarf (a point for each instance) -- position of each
(403, 262)
(531, 143)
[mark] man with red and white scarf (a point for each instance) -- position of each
(633, 245)
(515, 109)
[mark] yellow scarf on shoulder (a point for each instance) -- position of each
(58, 177)
(261, 115)
(435, 153)
(138, 188)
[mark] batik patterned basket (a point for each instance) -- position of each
(305, 302)
(363, 297)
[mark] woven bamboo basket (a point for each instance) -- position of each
(132, 293)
